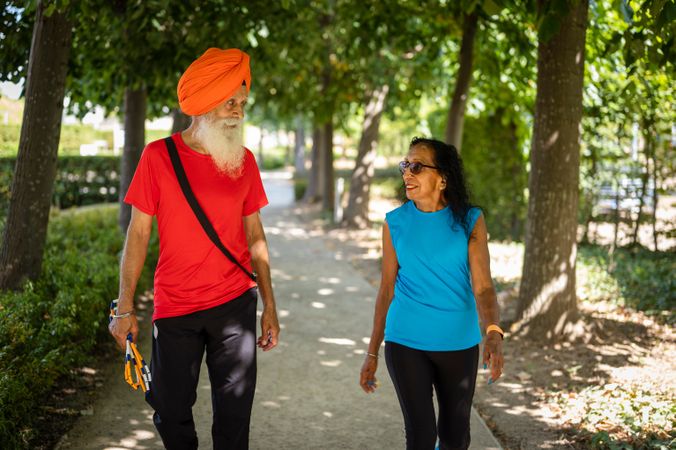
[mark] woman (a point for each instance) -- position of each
(435, 264)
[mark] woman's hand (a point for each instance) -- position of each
(367, 377)
(492, 358)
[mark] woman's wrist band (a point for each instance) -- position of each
(124, 315)
(372, 355)
(494, 327)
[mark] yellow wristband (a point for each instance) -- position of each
(494, 327)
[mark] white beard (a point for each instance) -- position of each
(224, 144)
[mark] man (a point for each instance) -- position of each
(202, 300)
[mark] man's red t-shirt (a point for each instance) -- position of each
(192, 274)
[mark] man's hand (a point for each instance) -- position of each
(269, 329)
(120, 328)
(493, 355)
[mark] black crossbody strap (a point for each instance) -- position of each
(196, 208)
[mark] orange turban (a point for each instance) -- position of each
(212, 79)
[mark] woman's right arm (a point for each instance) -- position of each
(390, 266)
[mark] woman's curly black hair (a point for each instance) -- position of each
(449, 164)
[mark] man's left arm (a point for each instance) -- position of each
(260, 260)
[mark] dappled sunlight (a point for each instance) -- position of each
(547, 294)
(318, 305)
(279, 275)
(337, 341)
(325, 291)
(139, 438)
(329, 280)
(560, 385)
(331, 363)
(271, 404)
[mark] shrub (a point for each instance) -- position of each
(53, 324)
(80, 180)
(637, 278)
(299, 187)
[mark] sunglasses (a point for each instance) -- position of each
(414, 167)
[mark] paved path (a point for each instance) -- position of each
(307, 396)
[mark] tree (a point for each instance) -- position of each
(392, 56)
(547, 296)
(356, 213)
(26, 229)
(456, 113)
(628, 94)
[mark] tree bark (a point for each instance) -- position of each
(590, 200)
(655, 197)
(312, 191)
(645, 176)
(261, 156)
(299, 147)
(180, 121)
(134, 141)
(326, 165)
(25, 232)
(547, 297)
(456, 113)
(356, 213)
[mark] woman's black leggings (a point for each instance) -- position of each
(453, 375)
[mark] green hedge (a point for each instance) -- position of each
(69, 141)
(80, 180)
(52, 325)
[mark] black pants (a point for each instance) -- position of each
(228, 334)
(453, 376)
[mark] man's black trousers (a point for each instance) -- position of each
(228, 334)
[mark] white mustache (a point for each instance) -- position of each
(232, 122)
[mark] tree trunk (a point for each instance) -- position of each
(288, 160)
(180, 121)
(456, 113)
(645, 175)
(312, 191)
(261, 137)
(25, 232)
(590, 200)
(547, 298)
(134, 141)
(356, 213)
(326, 165)
(299, 147)
(655, 198)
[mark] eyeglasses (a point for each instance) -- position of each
(414, 167)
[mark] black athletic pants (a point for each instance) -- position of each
(228, 334)
(453, 376)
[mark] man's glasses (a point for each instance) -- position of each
(414, 167)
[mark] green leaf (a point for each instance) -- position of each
(491, 8)
(49, 10)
